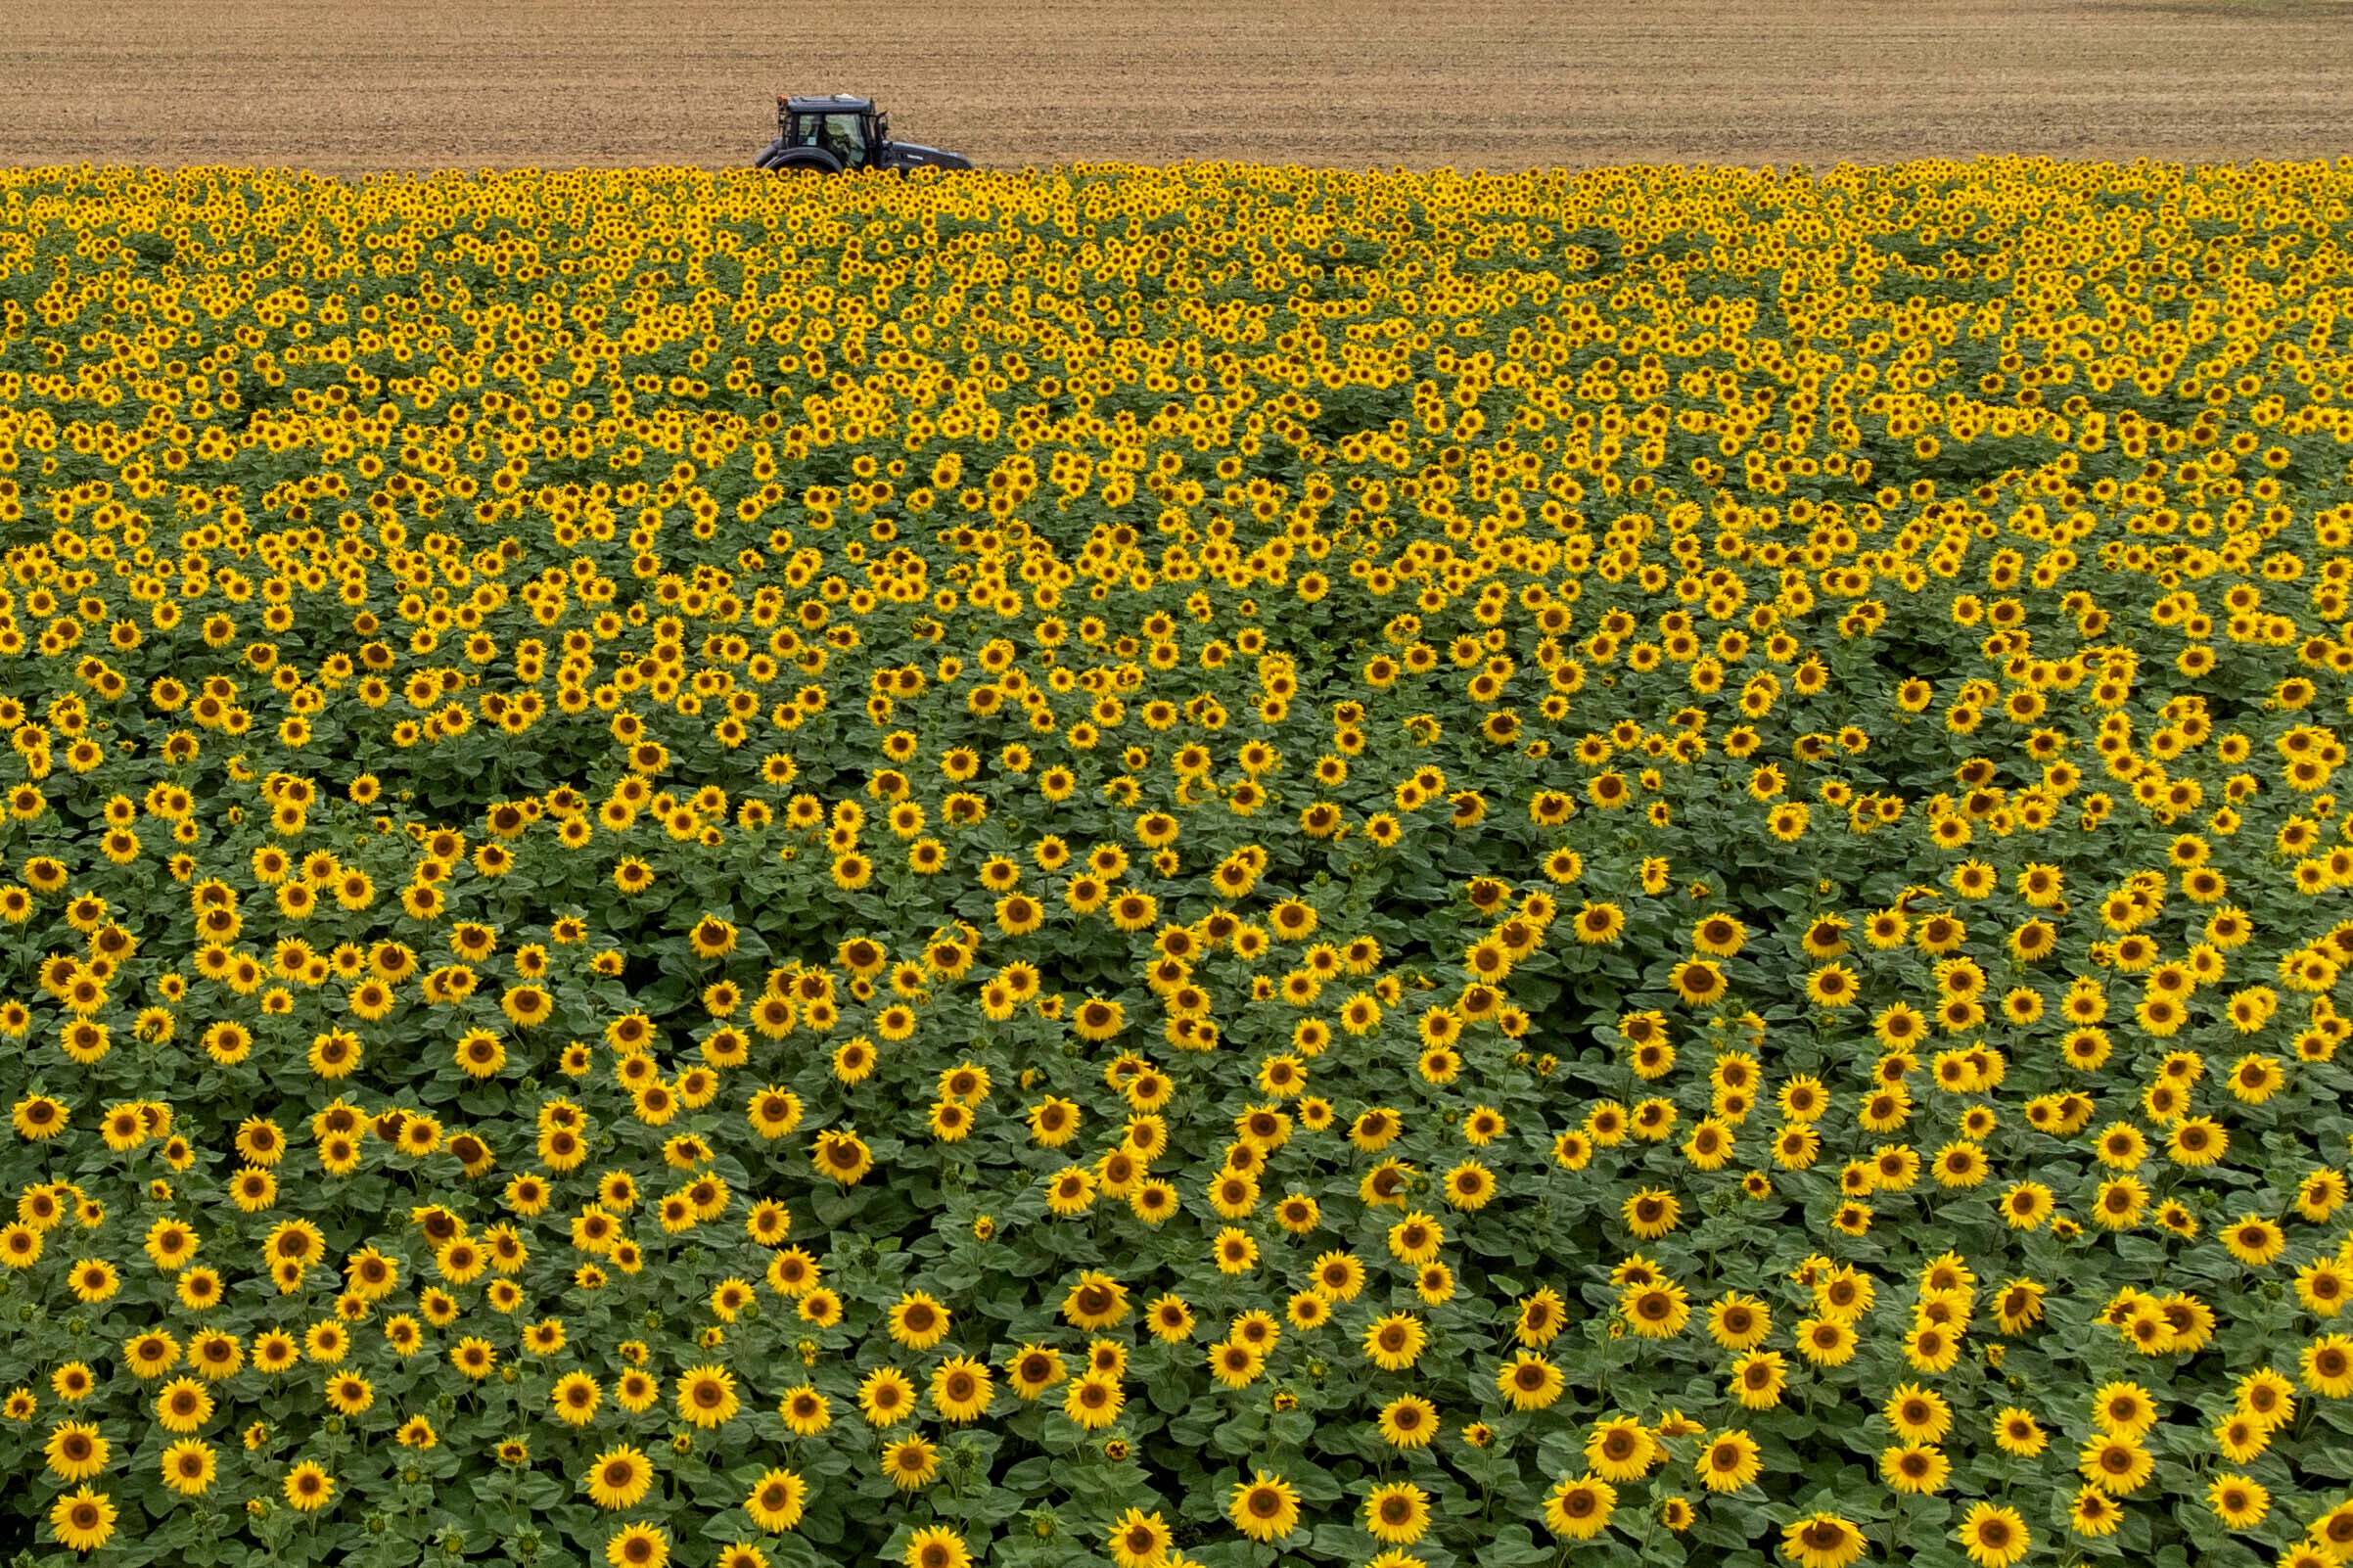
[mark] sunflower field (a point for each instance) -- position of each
(1215, 865)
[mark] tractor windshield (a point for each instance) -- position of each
(842, 135)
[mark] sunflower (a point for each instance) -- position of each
(842, 1157)
(2267, 1395)
(1621, 1449)
(934, 1546)
(2241, 1438)
(349, 1393)
(1917, 1415)
(1729, 1462)
(2094, 1512)
(1032, 1369)
(2117, 1465)
(1656, 1311)
(182, 1405)
(961, 1388)
(707, 1396)
(918, 1320)
(885, 1397)
(1097, 1018)
(1541, 1318)
(1398, 1514)
(77, 1452)
(38, 1116)
(1094, 1400)
(1578, 1507)
(1598, 924)
(1698, 982)
(1529, 1381)
(84, 1520)
(527, 1006)
(1393, 1343)
(2123, 1410)
(618, 1477)
(1914, 1467)
(2254, 1240)
(1264, 1507)
(1235, 1365)
(2333, 1531)
(637, 1546)
(189, 1467)
(2237, 1500)
(805, 1411)
(776, 1501)
(1833, 986)
(1823, 1541)
(1993, 1536)
(1652, 1213)
(1409, 1421)
(92, 1279)
(1139, 1540)
(1095, 1300)
(2328, 1365)
(2324, 1286)
(712, 938)
(911, 1463)
(307, 1488)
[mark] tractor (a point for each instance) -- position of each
(832, 135)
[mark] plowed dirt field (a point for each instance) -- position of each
(339, 87)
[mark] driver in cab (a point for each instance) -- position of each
(839, 135)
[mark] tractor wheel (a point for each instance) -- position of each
(803, 161)
(770, 154)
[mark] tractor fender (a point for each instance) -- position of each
(768, 154)
(801, 160)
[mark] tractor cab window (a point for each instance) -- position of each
(842, 135)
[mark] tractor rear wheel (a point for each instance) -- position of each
(770, 154)
(801, 160)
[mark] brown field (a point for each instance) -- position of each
(348, 85)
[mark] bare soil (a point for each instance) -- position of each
(342, 86)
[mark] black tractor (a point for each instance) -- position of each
(831, 135)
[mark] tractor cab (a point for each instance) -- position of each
(849, 129)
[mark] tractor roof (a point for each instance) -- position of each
(838, 104)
